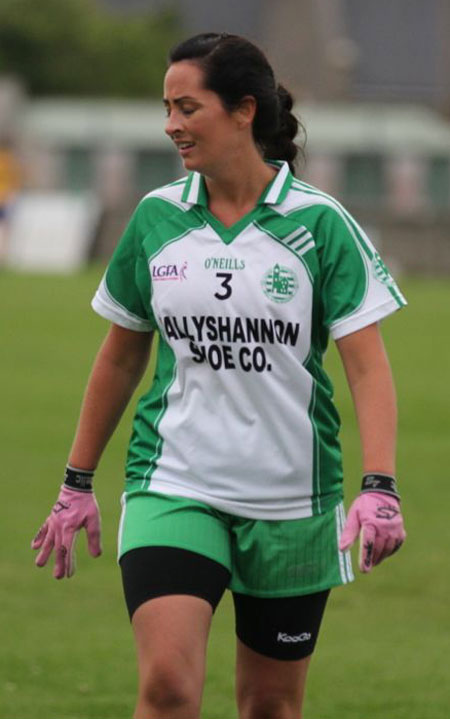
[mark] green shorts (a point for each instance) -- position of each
(266, 558)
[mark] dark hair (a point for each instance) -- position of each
(234, 68)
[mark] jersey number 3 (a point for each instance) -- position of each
(226, 279)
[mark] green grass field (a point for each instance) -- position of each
(66, 647)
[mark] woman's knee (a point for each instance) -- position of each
(163, 687)
(168, 686)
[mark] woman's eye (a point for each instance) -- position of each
(184, 111)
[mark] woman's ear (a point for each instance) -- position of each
(246, 111)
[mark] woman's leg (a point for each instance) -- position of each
(171, 595)
(269, 688)
(171, 634)
(276, 638)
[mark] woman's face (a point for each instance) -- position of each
(207, 136)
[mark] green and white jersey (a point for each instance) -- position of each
(240, 414)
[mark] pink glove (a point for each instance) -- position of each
(72, 511)
(378, 517)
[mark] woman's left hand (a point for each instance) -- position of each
(379, 519)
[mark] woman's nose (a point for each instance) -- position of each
(172, 123)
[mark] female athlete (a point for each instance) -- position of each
(234, 474)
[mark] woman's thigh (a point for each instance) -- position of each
(282, 628)
(171, 595)
(276, 638)
(171, 634)
(158, 571)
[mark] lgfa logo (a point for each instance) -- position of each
(169, 272)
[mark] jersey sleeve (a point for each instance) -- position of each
(357, 289)
(123, 295)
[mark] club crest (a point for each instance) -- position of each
(279, 283)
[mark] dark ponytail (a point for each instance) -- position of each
(278, 142)
(235, 68)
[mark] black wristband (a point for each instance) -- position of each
(383, 483)
(79, 479)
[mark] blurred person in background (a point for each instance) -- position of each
(9, 187)
(234, 473)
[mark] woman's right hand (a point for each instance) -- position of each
(72, 511)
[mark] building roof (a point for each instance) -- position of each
(331, 127)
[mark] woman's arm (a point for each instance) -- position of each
(374, 514)
(370, 380)
(117, 370)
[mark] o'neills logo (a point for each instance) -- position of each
(169, 272)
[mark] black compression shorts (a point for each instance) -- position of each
(284, 628)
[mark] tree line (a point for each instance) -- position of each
(78, 47)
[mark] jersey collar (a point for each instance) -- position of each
(195, 192)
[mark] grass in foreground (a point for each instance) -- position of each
(67, 648)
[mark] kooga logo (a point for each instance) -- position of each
(283, 637)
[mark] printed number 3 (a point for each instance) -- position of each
(225, 284)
